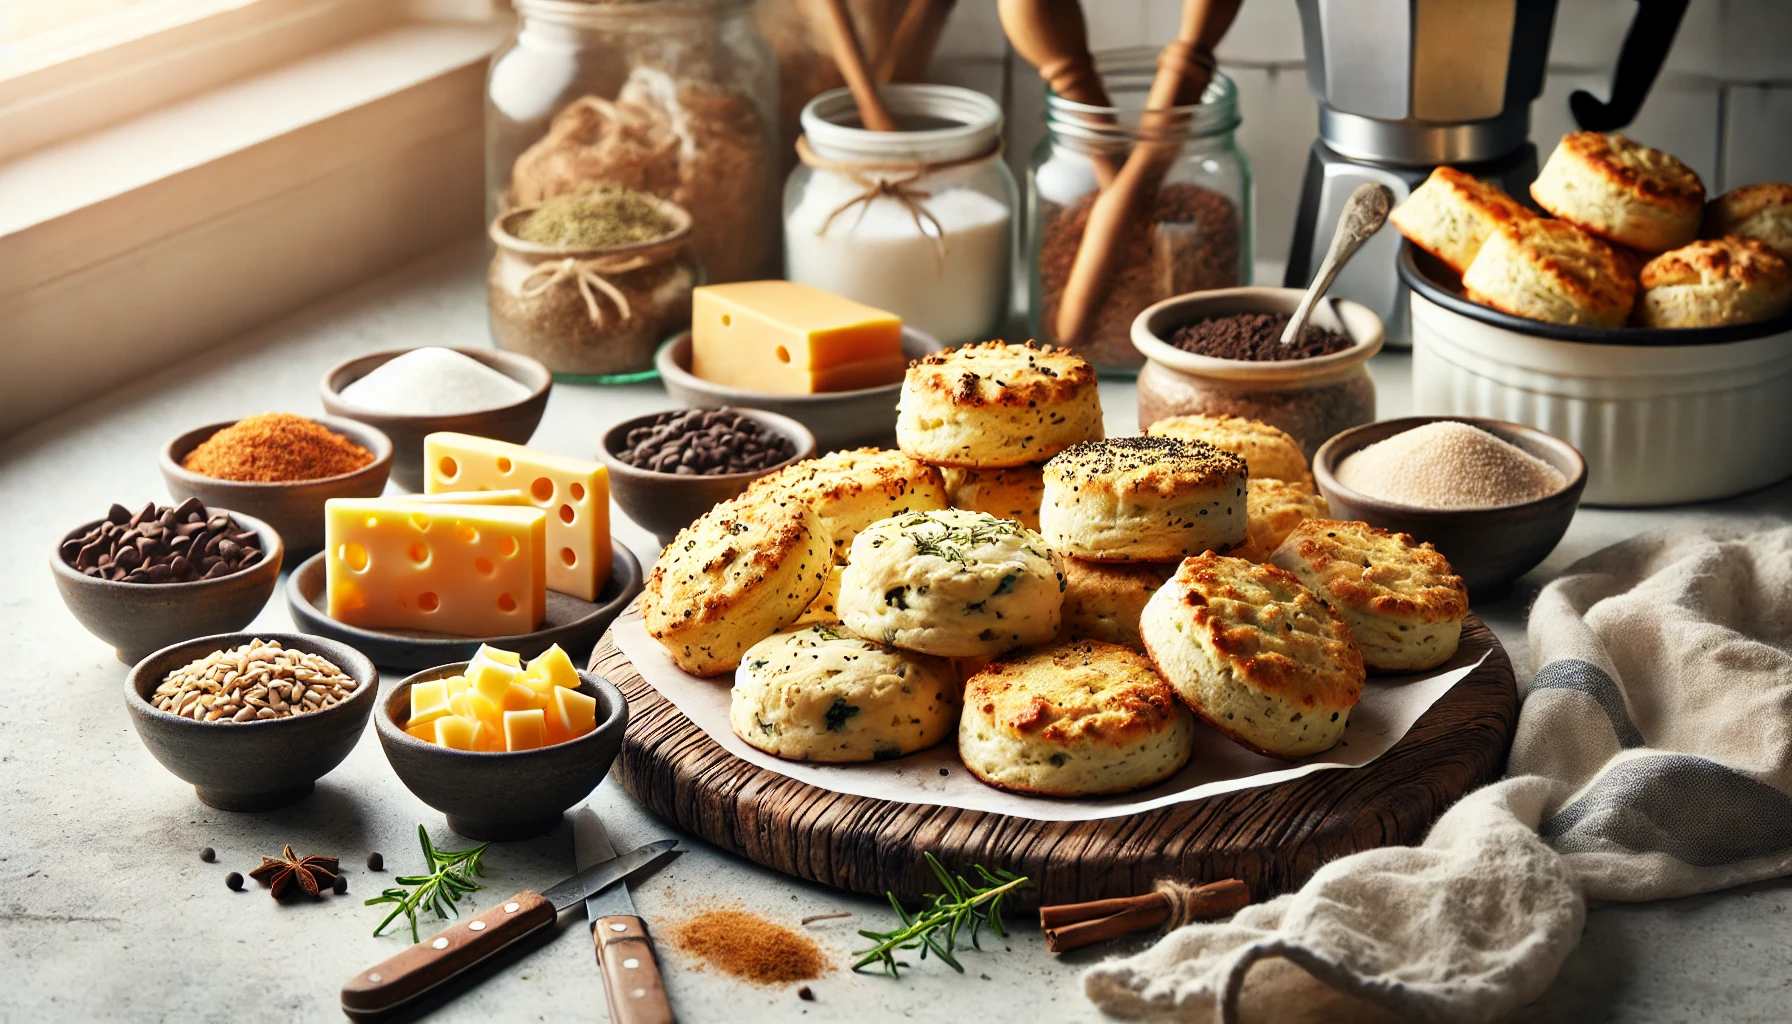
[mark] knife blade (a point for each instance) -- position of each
(632, 983)
(462, 946)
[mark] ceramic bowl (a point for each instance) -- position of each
(515, 422)
(254, 765)
(665, 503)
(502, 796)
(295, 509)
(1311, 399)
(839, 419)
(138, 618)
(1489, 548)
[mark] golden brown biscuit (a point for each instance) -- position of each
(993, 405)
(1269, 452)
(1451, 215)
(1402, 601)
(1762, 212)
(1255, 653)
(1714, 281)
(1012, 493)
(1622, 191)
(1073, 719)
(850, 490)
(1103, 600)
(1143, 499)
(1273, 508)
(740, 573)
(1551, 270)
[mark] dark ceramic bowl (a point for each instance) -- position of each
(838, 419)
(294, 508)
(665, 503)
(502, 796)
(138, 618)
(254, 765)
(1489, 548)
(515, 422)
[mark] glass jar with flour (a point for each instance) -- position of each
(917, 221)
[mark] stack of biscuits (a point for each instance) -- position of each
(1070, 641)
(1623, 243)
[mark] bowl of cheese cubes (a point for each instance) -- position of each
(500, 746)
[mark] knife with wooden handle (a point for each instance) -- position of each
(399, 979)
(632, 983)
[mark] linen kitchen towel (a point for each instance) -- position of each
(1653, 758)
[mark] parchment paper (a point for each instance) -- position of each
(1390, 705)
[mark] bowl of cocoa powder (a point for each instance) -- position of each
(1219, 353)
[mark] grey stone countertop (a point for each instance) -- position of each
(107, 912)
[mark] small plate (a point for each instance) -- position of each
(573, 624)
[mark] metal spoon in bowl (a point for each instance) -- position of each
(1364, 213)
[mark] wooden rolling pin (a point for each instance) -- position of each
(1073, 925)
(1184, 69)
(1052, 36)
(851, 60)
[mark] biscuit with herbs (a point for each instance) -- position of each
(1143, 499)
(995, 405)
(850, 490)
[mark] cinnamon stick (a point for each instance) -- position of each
(1073, 925)
(850, 58)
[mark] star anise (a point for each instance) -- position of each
(310, 874)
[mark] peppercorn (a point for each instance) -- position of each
(340, 886)
(375, 862)
(234, 881)
(208, 854)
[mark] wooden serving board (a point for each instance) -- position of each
(1273, 837)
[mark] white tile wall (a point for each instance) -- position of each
(1723, 103)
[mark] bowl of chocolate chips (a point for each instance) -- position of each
(1220, 353)
(668, 468)
(165, 573)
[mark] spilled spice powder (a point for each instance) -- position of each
(748, 946)
(275, 446)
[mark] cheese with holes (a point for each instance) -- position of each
(575, 494)
(791, 339)
(470, 498)
(466, 570)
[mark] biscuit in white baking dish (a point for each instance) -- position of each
(953, 583)
(1082, 718)
(1273, 508)
(1013, 492)
(1714, 281)
(1269, 453)
(740, 573)
(1622, 191)
(994, 404)
(850, 490)
(1452, 214)
(1762, 212)
(1143, 499)
(820, 693)
(1403, 603)
(1103, 600)
(1255, 654)
(1551, 270)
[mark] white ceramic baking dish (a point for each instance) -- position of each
(1662, 416)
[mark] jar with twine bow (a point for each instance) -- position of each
(592, 315)
(917, 221)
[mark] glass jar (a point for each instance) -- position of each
(918, 221)
(677, 98)
(1198, 236)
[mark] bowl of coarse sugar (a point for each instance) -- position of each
(1494, 497)
(280, 468)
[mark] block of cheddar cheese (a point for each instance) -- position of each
(786, 338)
(467, 570)
(575, 494)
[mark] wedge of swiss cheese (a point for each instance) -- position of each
(790, 339)
(575, 494)
(466, 570)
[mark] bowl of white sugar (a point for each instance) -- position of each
(1494, 497)
(411, 393)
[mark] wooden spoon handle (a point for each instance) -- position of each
(851, 60)
(912, 43)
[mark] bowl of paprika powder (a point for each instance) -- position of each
(280, 468)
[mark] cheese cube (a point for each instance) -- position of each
(491, 679)
(524, 730)
(468, 498)
(554, 668)
(458, 569)
(476, 706)
(791, 339)
(457, 684)
(425, 732)
(457, 732)
(487, 652)
(522, 698)
(574, 712)
(429, 701)
(574, 493)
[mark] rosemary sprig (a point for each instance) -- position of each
(450, 877)
(936, 929)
